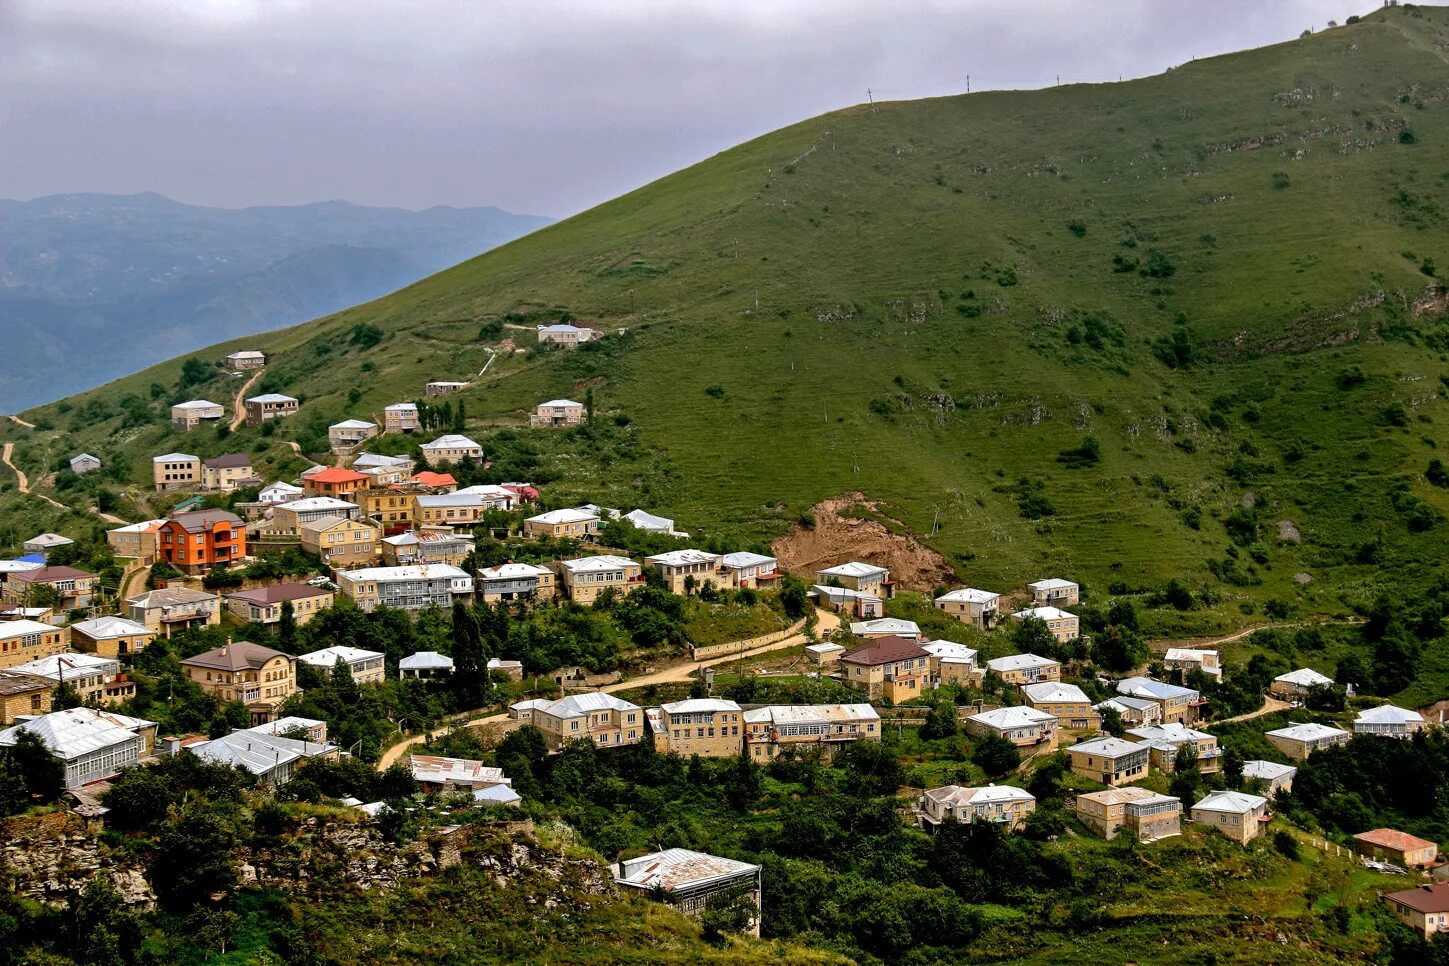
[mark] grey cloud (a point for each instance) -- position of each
(540, 106)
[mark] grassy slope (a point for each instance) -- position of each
(804, 271)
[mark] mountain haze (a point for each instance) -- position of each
(1121, 332)
(139, 278)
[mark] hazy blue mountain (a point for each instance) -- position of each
(94, 286)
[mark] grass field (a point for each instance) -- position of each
(1225, 275)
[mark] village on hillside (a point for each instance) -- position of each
(1133, 733)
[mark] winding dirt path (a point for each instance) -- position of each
(136, 572)
(20, 422)
(825, 623)
(238, 403)
(1270, 704)
(21, 480)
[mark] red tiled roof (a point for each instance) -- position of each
(1426, 898)
(435, 479)
(1394, 839)
(336, 474)
(885, 650)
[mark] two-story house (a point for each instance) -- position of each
(1053, 592)
(1388, 721)
(863, 577)
(815, 727)
(1301, 740)
(336, 482)
(199, 540)
(1025, 668)
(605, 720)
(23, 641)
(684, 570)
(23, 696)
(76, 587)
(287, 519)
(1238, 815)
(1424, 909)
(257, 676)
(96, 680)
(461, 508)
(888, 667)
(1297, 685)
(401, 418)
(167, 610)
(1142, 813)
(364, 667)
(1187, 659)
(342, 543)
(1002, 805)
(1180, 705)
(92, 744)
(1021, 725)
(971, 606)
(450, 448)
(1068, 703)
(270, 405)
(559, 524)
(557, 413)
(186, 416)
(416, 587)
(744, 569)
(264, 604)
(1167, 741)
(586, 577)
(245, 360)
(228, 471)
(708, 727)
(171, 471)
(427, 545)
(344, 437)
(1063, 626)
(516, 581)
(1110, 761)
(111, 636)
(953, 663)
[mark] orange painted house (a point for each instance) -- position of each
(202, 539)
(335, 482)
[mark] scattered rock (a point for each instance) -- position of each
(1250, 500)
(1303, 578)
(1288, 532)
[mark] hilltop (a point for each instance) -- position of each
(1187, 326)
(138, 278)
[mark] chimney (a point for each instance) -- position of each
(226, 645)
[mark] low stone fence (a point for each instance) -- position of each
(737, 647)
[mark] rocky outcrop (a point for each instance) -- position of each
(52, 858)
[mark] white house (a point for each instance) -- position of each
(1388, 721)
(1021, 725)
(1295, 685)
(650, 523)
(84, 463)
(1053, 592)
(1301, 740)
(425, 665)
(92, 744)
(1064, 626)
(1193, 659)
(280, 492)
(971, 606)
(450, 448)
(365, 667)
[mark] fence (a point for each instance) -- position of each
(738, 647)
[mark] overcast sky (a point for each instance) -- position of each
(536, 106)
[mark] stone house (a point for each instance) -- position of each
(691, 881)
(1053, 592)
(1142, 813)
(892, 668)
(25, 640)
(271, 405)
(824, 727)
(401, 418)
(92, 744)
(364, 667)
(1063, 626)
(264, 604)
(342, 543)
(1301, 740)
(1023, 726)
(1110, 761)
(557, 412)
(188, 415)
(1068, 703)
(258, 677)
(1400, 848)
(170, 609)
(557, 524)
(111, 636)
(172, 471)
(600, 717)
(708, 727)
(344, 437)
(1238, 815)
(971, 606)
(1025, 668)
(586, 577)
(1002, 805)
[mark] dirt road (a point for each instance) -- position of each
(825, 623)
(1270, 704)
(20, 422)
(23, 482)
(238, 403)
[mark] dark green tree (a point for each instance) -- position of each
(995, 755)
(287, 629)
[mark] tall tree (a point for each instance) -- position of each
(470, 680)
(287, 629)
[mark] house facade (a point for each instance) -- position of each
(1053, 592)
(93, 745)
(364, 667)
(1025, 668)
(1296, 685)
(76, 587)
(1424, 909)
(450, 448)
(1238, 815)
(1400, 848)
(23, 696)
(24, 641)
(172, 471)
(587, 577)
(287, 519)
(1387, 721)
(401, 418)
(245, 360)
(1301, 740)
(1068, 703)
(199, 540)
(1139, 812)
(342, 543)
(140, 541)
(825, 728)
(708, 727)
(1186, 659)
(167, 610)
(188, 415)
(226, 472)
(893, 668)
(684, 569)
(953, 664)
(271, 405)
(560, 524)
(1023, 726)
(748, 570)
(563, 334)
(405, 588)
(1063, 626)
(1001, 805)
(344, 437)
(257, 676)
(557, 413)
(1110, 761)
(96, 680)
(443, 387)
(428, 546)
(1180, 705)
(111, 636)
(863, 577)
(1167, 741)
(1274, 777)
(336, 482)
(971, 606)
(264, 604)
(605, 720)
(83, 463)
(515, 581)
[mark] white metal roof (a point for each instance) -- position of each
(680, 558)
(272, 397)
(459, 771)
(853, 569)
(968, 595)
(559, 403)
(699, 706)
(556, 517)
(560, 327)
(678, 868)
(949, 652)
(581, 704)
(451, 441)
(743, 558)
(353, 424)
(1044, 614)
(58, 666)
(812, 714)
(18, 566)
(1019, 662)
(1148, 688)
(1309, 731)
(176, 458)
(1020, 716)
(424, 661)
(21, 628)
(76, 732)
(401, 407)
(328, 656)
(496, 795)
(886, 625)
(1051, 583)
(983, 795)
(648, 521)
(110, 625)
(1237, 803)
(1171, 733)
(601, 562)
(512, 571)
(1267, 770)
(1055, 692)
(319, 503)
(1389, 714)
(197, 404)
(1108, 747)
(1305, 677)
(411, 572)
(1188, 654)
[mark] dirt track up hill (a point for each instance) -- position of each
(837, 538)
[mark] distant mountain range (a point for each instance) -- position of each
(94, 286)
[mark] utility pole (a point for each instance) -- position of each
(870, 97)
(968, 83)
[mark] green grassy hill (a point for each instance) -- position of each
(1226, 275)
